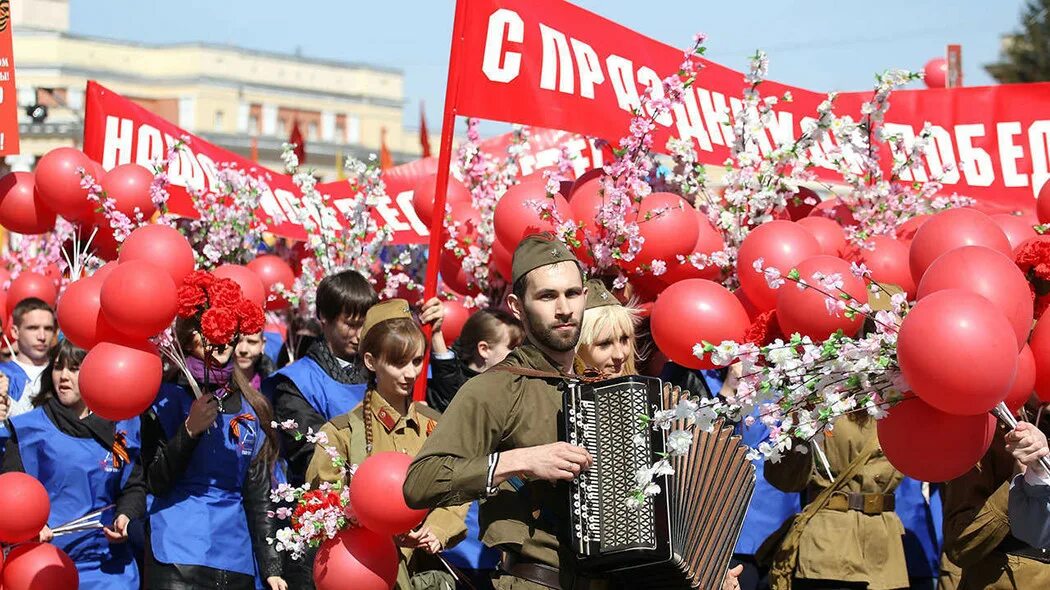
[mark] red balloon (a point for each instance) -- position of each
(927, 444)
(1040, 345)
(423, 196)
(376, 496)
(906, 231)
(583, 179)
(456, 314)
(952, 229)
(1042, 203)
(587, 199)
(20, 210)
(139, 299)
(161, 246)
(957, 352)
(272, 270)
(119, 382)
(31, 284)
(782, 245)
(452, 273)
(1016, 227)
(58, 183)
(752, 311)
(513, 219)
(805, 310)
(251, 285)
(670, 227)
(802, 203)
(35, 566)
(887, 261)
(501, 260)
(80, 313)
(105, 269)
(103, 245)
(128, 185)
(26, 507)
(829, 234)
(936, 71)
(356, 558)
(692, 311)
(1024, 382)
(836, 210)
(989, 274)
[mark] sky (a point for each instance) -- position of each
(820, 45)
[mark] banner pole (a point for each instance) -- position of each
(437, 223)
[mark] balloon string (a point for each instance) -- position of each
(1003, 413)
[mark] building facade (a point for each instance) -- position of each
(231, 96)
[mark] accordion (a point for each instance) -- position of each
(684, 536)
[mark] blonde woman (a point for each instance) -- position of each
(607, 335)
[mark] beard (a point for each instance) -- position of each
(548, 337)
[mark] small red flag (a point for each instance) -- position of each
(424, 137)
(297, 139)
(385, 159)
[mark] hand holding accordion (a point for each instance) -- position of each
(683, 537)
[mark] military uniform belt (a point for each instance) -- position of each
(1015, 546)
(870, 504)
(544, 575)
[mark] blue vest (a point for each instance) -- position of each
(923, 531)
(81, 477)
(201, 520)
(272, 345)
(16, 384)
(471, 553)
(328, 397)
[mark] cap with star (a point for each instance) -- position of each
(598, 295)
(538, 250)
(383, 311)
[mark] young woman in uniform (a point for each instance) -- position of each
(392, 348)
(208, 464)
(607, 334)
(86, 463)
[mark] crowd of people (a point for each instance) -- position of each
(185, 488)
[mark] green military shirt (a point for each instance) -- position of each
(499, 411)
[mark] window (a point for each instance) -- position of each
(219, 120)
(253, 124)
(311, 131)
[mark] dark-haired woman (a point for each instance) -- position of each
(208, 462)
(487, 338)
(392, 348)
(86, 463)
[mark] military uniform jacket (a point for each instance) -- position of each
(390, 432)
(500, 411)
(976, 522)
(846, 546)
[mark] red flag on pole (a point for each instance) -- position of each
(386, 161)
(296, 138)
(424, 137)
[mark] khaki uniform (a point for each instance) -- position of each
(976, 522)
(390, 432)
(500, 411)
(849, 545)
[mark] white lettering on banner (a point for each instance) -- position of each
(1010, 152)
(269, 204)
(589, 66)
(975, 162)
(648, 78)
(390, 215)
(621, 77)
(940, 156)
(404, 202)
(715, 111)
(781, 128)
(1039, 146)
(902, 148)
(149, 145)
(690, 122)
(497, 65)
(557, 63)
(116, 145)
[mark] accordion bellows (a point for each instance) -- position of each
(684, 536)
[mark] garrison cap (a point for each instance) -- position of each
(538, 250)
(598, 295)
(385, 310)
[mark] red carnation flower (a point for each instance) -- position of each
(764, 329)
(190, 297)
(218, 325)
(199, 278)
(224, 293)
(250, 317)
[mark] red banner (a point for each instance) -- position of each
(8, 95)
(549, 63)
(118, 131)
